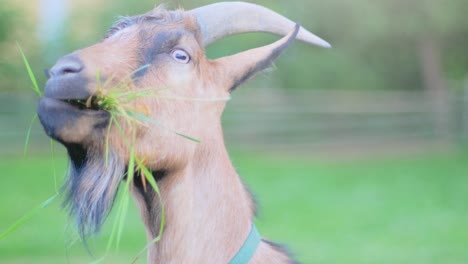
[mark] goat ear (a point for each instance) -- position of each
(236, 69)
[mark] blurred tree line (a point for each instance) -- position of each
(378, 44)
(9, 17)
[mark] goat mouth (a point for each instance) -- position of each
(83, 106)
(71, 121)
(92, 104)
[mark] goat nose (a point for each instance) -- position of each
(68, 65)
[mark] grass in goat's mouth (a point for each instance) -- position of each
(80, 104)
(92, 103)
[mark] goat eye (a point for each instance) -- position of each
(180, 56)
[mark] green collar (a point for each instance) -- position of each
(246, 252)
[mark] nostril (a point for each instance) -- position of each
(70, 70)
(66, 66)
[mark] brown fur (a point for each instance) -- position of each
(208, 210)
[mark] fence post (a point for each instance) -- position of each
(439, 95)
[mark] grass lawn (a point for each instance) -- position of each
(412, 209)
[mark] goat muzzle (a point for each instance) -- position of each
(62, 110)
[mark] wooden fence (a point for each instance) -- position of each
(309, 119)
(302, 120)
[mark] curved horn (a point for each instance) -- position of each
(224, 19)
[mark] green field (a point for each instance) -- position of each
(410, 209)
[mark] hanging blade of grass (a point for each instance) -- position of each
(119, 128)
(111, 121)
(28, 135)
(148, 175)
(107, 139)
(120, 208)
(28, 216)
(149, 120)
(123, 112)
(114, 228)
(30, 72)
(125, 202)
(123, 215)
(182, 98)
(98, 77)
(144, 92)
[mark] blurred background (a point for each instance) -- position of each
(357, 154)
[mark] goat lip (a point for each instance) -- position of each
(74, 87)
(68, 124)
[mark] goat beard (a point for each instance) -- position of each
(91, 187)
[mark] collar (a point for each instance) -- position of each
(246, 252)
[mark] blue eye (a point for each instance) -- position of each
(180, 56)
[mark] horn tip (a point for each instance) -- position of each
(325, 44)
(319, 42)
(308, 37)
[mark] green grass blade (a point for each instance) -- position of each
(188, 137)
(144, 92)
(122, 133)
(119, 223)
(119, 214)
(147, 174)
(27, 216)
(28, 135)
(152, 242)
(182, 98)
(131, 74)
(107, 139)
(122, 217)
(114, 236)
(98, 77)
(114, 229)
(30, 72)
(142, 117)
(125, 198)
(144, 67)
(149, 120)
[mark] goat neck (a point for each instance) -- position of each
(207, 209)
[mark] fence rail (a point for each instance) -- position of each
(329, 118)
(272, 118)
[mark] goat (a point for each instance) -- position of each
(209, 212)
